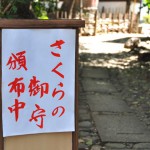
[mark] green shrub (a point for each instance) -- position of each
(147, 19)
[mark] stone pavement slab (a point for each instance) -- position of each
(121, 128)
(95, 72)
(107, 103)
(142, 145)
(102, 86)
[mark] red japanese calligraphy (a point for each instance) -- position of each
(17, 61)
(17, 87)
(55, 111)
(55, 54)
(55, 92)
(56, 71)
(57, 44)
(16, 108)
(35, 87)
(38, 113)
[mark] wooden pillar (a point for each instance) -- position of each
(132, 17)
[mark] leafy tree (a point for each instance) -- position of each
(26, 8)
(16, 9)
(146, 3)
(39, 10)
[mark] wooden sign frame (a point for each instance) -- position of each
(49, 141)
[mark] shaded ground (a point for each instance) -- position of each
(132, 79)
(129, 76)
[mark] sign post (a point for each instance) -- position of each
(39, 84)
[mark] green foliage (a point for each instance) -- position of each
(9, 8)
(42, 8)
(51, 6)
(38, 8)
(147, 19)
(146, 3)
(15, 8)
(43, 15)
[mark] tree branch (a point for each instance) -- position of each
(7, 7)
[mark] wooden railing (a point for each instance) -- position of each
(106, 22)
(96, 22)
(113, 22)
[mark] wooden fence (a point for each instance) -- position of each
(105, 22)
(96, 22)
(113, 22)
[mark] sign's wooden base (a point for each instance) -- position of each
(53, 141)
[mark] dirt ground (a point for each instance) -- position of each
(130, 76)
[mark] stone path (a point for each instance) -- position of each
(105, 120)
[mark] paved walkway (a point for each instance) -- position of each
(105, 121)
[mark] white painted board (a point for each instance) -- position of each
(38, 78)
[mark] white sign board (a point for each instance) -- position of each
(38, 81)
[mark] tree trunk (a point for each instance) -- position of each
(68, 6)
(24, 11)
(71, 9)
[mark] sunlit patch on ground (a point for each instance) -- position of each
(107, 51)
